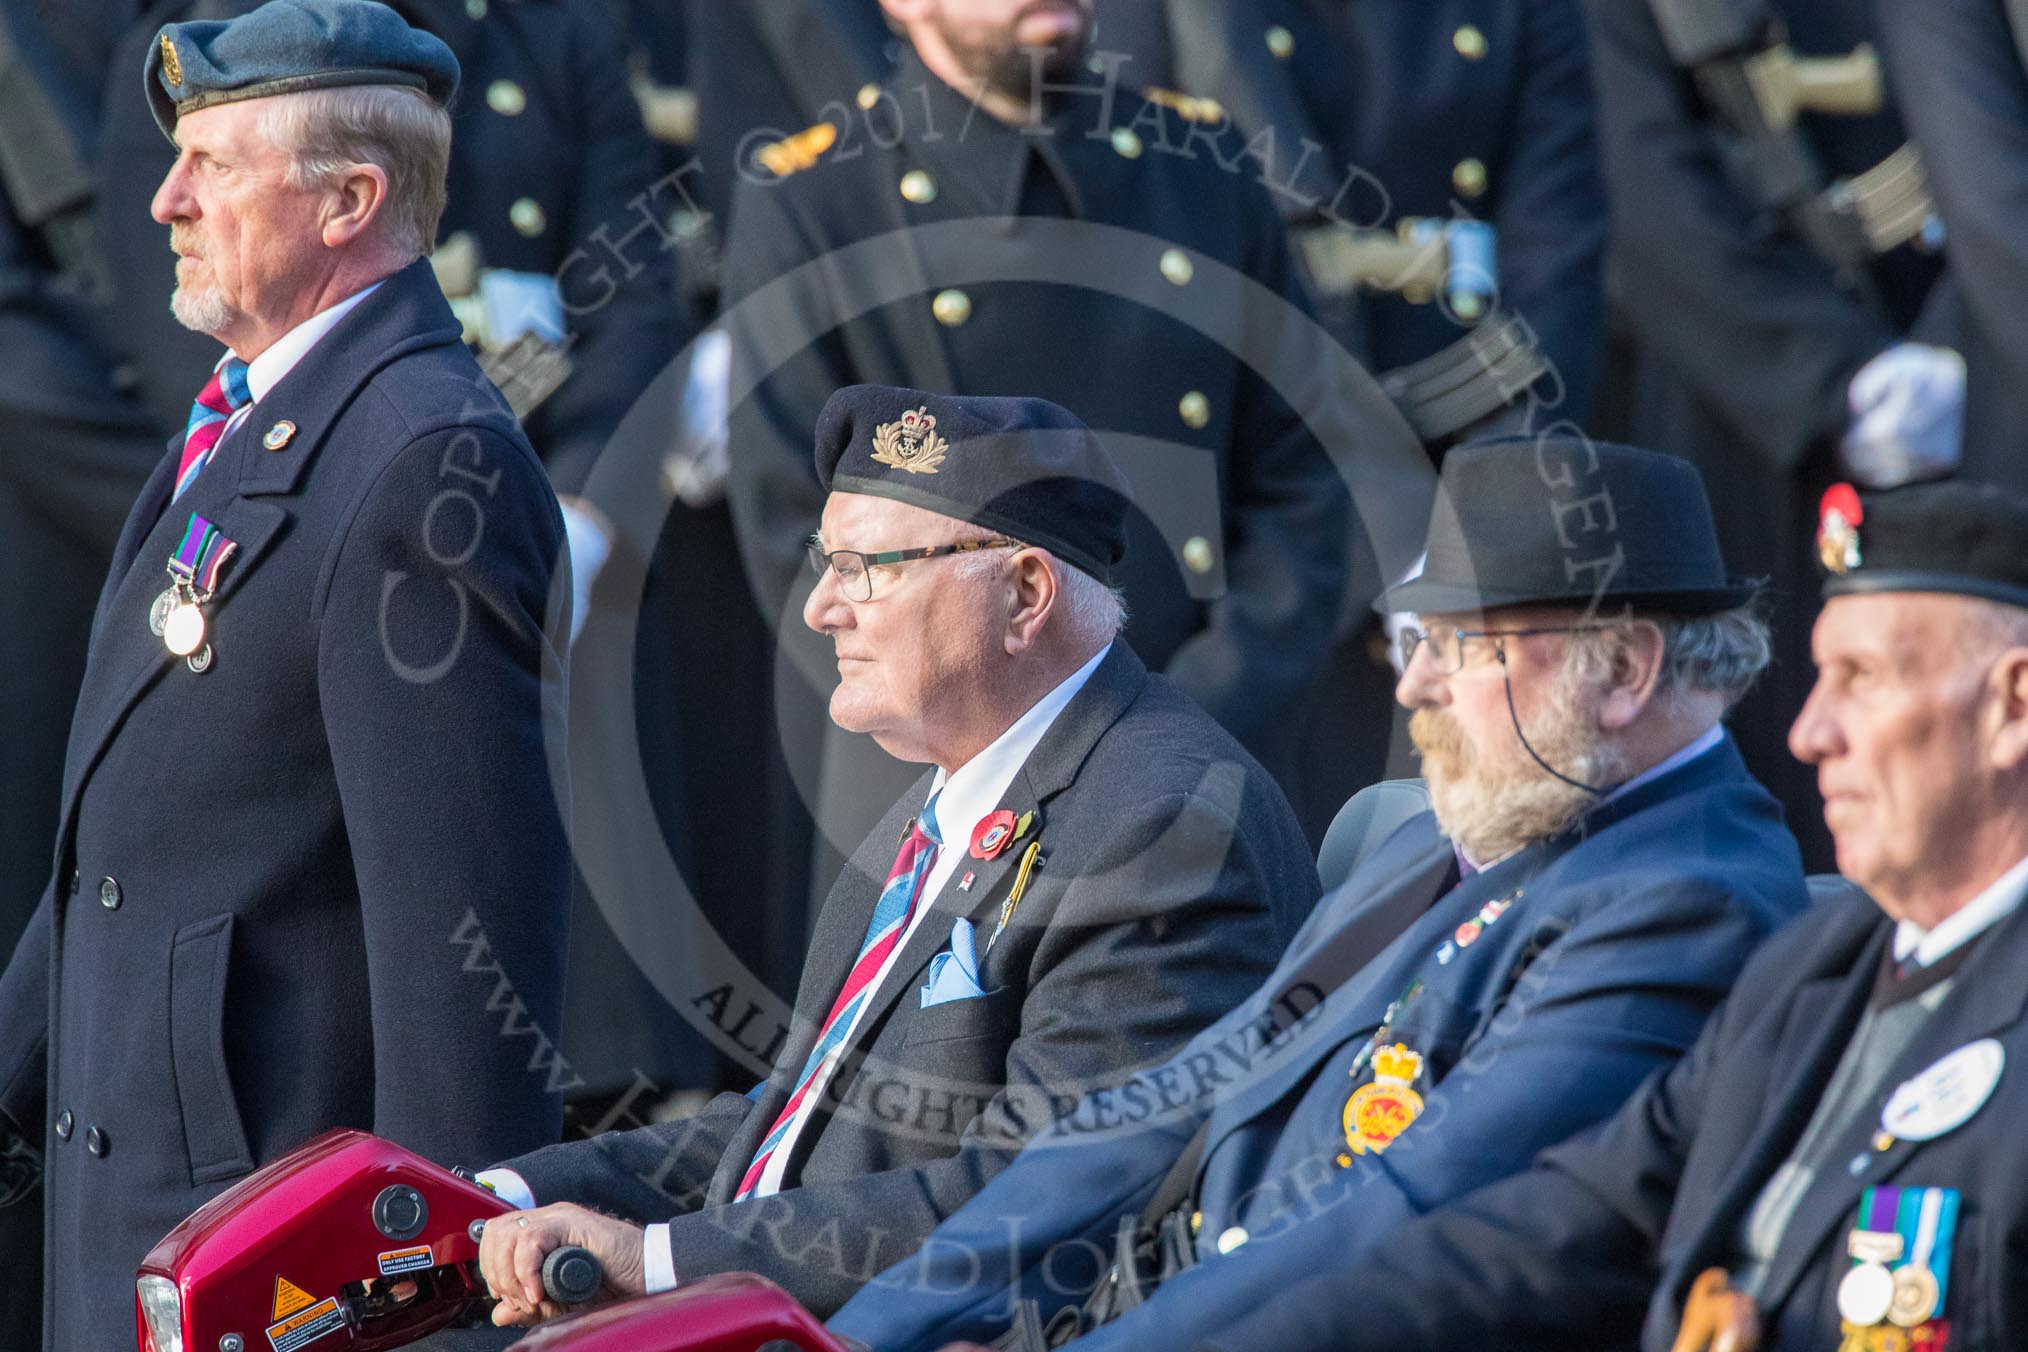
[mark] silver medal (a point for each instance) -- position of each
(183, 630)
(158, 613)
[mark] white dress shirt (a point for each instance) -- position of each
(961, 798)
(1969, 921)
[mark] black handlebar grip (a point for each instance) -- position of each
(572, 1276)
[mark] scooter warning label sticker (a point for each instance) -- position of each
(289, 1298)
(398, 1261)
(306, 1326)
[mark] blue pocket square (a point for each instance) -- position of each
(954, 973)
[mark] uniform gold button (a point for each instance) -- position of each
(1197, 555)
(918, 187)
(1126, 142)
(1196, 1221)
(1232, 1239)
(1176, 266)
(1469, 177)
(475, 9)
(951, 308)
(506, 98)
(869, 94)
(1470, 42)
(528, 216)
(1281, 42)
(1195, 408)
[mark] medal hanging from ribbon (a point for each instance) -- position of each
(1893, 1295)
(177, 617)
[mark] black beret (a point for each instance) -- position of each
(1565, 520)
(287, 46)
(1021, 467)
(1969, 539)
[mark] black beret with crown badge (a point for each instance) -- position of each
(1025, 468)
(1955, 537)
(286, 47)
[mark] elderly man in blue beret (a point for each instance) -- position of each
(1089, 872)
(309, 844)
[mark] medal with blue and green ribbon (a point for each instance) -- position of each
(1901, 1256)
(177, 615)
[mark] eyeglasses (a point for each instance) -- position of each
(1447, 645)
(855, 569)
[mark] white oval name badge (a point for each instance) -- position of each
(1943, 1097)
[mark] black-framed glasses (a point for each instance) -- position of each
(855, 568)
(1447, 645)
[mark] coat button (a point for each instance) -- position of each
(951, 308)
(109, 894)
(1127, 143)
(1470, 42)
(506, 98)
(1281, 42)
(1195, 409)
(1469, 177)
(76, 880)
(65, 1124)
(528, 216)
(1197, 556)
(475, 10)
(1176, 266)
(95, 1141)
(1232, 1239)
(918, 187)
(869, 94)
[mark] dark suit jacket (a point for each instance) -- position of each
(1174, 874)
(1620, 940)
(322, 883)
(1571, 1254)
(1381, 97)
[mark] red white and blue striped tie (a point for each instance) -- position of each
(891, 915)
(223, 395)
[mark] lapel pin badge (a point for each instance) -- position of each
(279, 435)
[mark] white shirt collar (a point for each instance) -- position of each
(1969, 921)
(978, 785)
(264, 372)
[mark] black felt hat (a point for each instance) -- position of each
(1565, 520)
(287, 46)
(1023, 467)
(1966, 539)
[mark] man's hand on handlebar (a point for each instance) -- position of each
(513, 1247)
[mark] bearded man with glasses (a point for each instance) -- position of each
(1500, 972)
(1090, 872)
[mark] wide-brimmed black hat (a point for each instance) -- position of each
(1957, 538)
(1563, 520)
(1024, 467)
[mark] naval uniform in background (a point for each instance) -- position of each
(1745, 333)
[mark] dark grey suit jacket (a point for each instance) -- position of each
(1173, 874)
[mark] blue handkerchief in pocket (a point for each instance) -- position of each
(954, 973)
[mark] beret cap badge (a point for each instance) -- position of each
(1839, 516)
(172, 65)
(911, 443)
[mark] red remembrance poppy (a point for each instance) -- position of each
(993, 834)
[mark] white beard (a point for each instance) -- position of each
(202, 311)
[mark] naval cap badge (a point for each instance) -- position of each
(911, 443)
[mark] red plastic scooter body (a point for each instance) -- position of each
(738, 1312)
(278, 1258)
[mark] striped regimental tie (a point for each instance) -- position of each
(223, 395)
(891, 915)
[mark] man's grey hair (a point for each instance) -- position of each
(1091, 611)
(1722, 653)
(327, 132)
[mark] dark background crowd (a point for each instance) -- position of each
(1781, 241)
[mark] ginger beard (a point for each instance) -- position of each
(1492, 804)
